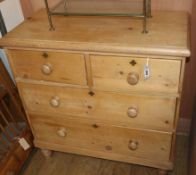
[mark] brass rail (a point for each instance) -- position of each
(146, 14)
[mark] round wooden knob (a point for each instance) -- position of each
(55, 101)
(62, 132)
(132, 112)
(46, 69)
(133, 78)
(133, 145)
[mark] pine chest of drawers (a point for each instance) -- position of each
(97, 86)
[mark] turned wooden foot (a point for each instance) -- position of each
(47, 153)
(162, 172)
(11, 173)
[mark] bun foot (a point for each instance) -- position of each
(47, 153)
(11, 173)
(162, 172)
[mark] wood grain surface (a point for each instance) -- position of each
(109, 107)
(70, 164)
(49, 66)
(189, 88)
(93, 138)
(117, 35)
(111, 73)
(105, 38)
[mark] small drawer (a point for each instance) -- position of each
(151, 112)
(98, 137)
(127, 74)
(49, 66)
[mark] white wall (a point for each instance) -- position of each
(13, 16)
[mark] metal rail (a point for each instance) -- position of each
(146, 14)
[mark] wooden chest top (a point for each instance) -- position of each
(168, 34)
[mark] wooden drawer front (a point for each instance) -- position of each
(126, 110)
(127, 74)
(95, 136)
(49, 66)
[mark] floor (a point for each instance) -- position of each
(69, 164)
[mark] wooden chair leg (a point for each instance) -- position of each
(162, 172)
(46, 153)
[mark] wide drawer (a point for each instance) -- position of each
(126, 110)
(127, 74)
(96, 136)
(49, 66)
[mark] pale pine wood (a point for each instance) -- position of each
(135, 160)
(114, 37)
(64, 164)
(178, 105)
(105, 34)
(66, 68)
(108, 107)
(98, 137)
(89, 71)
(111, 72)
